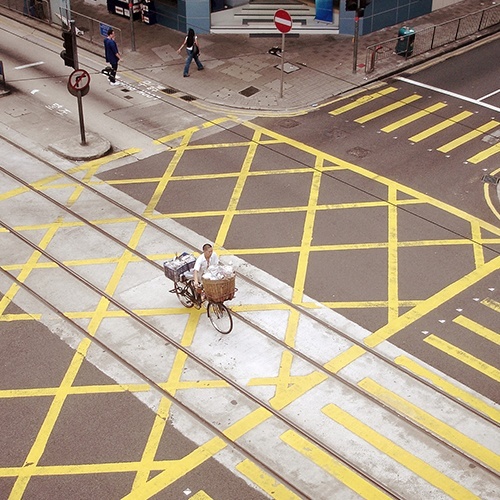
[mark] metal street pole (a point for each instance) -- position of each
(356, 37)
(83, 140)
(282, 62)
(131, 15)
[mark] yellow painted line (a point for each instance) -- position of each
(372, 304)
(237, 190)
(414, 117)
(432, 303)
(307, 232)
(478, 329)
(441, 126)
(492, 304)
(189, 131)
(392, 256)
(388, 109)
(345, 358)
(20, 317)
(464, 357)
(446, 148)
(399, 454)
(448, 387)
(484, 155)
(175, 469)
(434, 425)
(80, 389)
(332, 466)
(200, 495)
(363, 100)
(264, 481)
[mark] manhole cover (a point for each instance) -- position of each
(335, 133)
(288, 123)
(188, 98)
(490, 179)
(359, 152)
(249, 91)
(169, 90)
(287, 67)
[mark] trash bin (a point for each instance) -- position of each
(406, 39)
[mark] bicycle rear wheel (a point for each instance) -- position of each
(183, 292)
(220, 317)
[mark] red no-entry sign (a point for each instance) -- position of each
(283, 21)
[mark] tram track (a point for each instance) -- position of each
(238, 387)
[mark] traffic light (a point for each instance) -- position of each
(351, 5)
(68, 54)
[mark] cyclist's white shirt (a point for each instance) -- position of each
(201, 263)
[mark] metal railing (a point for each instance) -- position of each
(89, 28)
(431, 38)
(37, 9)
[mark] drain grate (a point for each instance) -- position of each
(490, 179)
(188, 98)
(249, 91)
(125, 90)
(169, 90)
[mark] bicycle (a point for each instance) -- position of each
(218, 314)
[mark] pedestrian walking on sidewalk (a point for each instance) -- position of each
(112, 56)
(192, 49)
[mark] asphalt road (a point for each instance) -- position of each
(379, 226)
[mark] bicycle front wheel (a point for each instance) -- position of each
(183, 292)
(220, 317)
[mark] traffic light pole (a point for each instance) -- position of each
(83, 140)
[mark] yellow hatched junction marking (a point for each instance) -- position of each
(287, 386)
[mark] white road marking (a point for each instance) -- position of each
(29, 65)
(489, 95)
(446, 92)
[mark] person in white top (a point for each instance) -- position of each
(206, 259)
(192, 49)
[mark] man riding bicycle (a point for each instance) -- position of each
(203, 262)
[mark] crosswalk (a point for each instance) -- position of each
(483, 138)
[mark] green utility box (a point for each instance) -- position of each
(406, 39)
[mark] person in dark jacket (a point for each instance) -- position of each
(112, 55)
(193, 50)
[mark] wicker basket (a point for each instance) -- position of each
(173, 272)
(219, 290)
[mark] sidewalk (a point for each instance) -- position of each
(241, 74)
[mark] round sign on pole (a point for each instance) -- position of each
(79, 79)
(283, 21)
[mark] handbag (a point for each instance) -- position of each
(195, 50)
